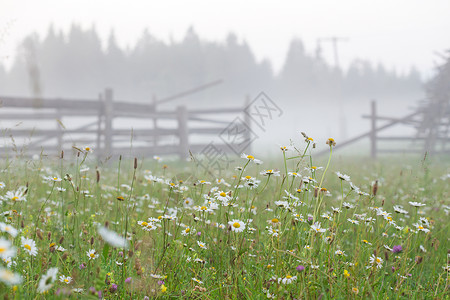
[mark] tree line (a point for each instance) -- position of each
(77, 65)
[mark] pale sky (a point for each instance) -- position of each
(398, 33)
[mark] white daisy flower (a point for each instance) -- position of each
(112, 238)
(29, 246)
(91, 254)
(237, 225)
(47, 280)
(65, 279)
(9, 278)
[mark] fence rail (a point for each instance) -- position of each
(417, 143)
(103, 132)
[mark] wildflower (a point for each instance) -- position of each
(300, 268)
(222, 196)
(294, 174)
(157, 158)
(346, 273)
(202, 245)
(113, 288)
(91, 254)
(316, 228)
(330, 142)
(339, 252)
(416, 204)
(419, 227)
(287, 280)
(251, 158)
(270, 172)
(6, 249)
(273, 232)
(399, 209)
(9, 278)
(343, 176)
(88, 149)
(353, 221)
(163, 288)
(2, 185)
(112, 238)
(29, 245)
(196, 280)
(366, 242)
(355, 290)
(203, 182)
(128, 280)
(47, 280)
(397, 249)
(16, 196)
(376, 261)
(237, 225)
(347, 205)
(65, 279)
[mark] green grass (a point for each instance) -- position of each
(235, 265)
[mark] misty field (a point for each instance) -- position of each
(293, 227)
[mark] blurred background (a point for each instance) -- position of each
(321, 63)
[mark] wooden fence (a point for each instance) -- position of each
(418, 142)
(108, 126)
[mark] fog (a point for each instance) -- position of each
(317, 87)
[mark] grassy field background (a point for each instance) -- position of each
(288, 228)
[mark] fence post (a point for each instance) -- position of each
(59, 128)
(373, 132)
(101, 111)
(183, 131)
(108, 111)
(248, 122)
(155, 124)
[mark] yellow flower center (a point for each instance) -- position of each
(313, 167)
(66, 280)
(378, 260)
(2, 249)
(187, 202)
(15, 198)
(187, 230)
(26, 246)
(159, 217)
(92, 255)
(250, 157)
(87, 149)
(202, 181)
(420, 227)
(144, 223)
(275, 220)
(248, 177)
(288, 277)
(52, 245)
(223, 194)
(203, 208)
(236, 225)
(310, 139)
(269, 171)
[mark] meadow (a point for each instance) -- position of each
(291, 227)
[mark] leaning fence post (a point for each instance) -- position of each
(248, 122)
(59, 129)
(108, 111)
(99, 125)
(155, 124)
(373, 132)
(183, 131)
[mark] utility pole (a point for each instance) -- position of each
(334, 40)
(342, 124)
